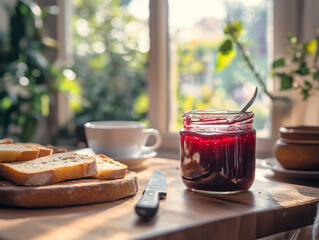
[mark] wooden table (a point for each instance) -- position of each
(272, 205)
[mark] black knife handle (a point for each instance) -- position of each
(148, 204)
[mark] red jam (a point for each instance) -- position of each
(218, 154)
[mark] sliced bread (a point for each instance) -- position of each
(6, 141)
(15, 152)
(49, 169)
(109, 169)
(57, 149)
(43, 151)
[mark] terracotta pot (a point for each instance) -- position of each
(298, 148)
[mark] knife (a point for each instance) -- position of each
(155, 190)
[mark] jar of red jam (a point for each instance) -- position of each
(217, 149)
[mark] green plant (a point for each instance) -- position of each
(28, 81)
(299, 69)
(110, 67)
(195, 67)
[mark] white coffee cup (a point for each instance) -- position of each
(120, 139)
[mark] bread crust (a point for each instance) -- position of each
(43, 151)
(110, 174)
(6, 140)
(57, 149)
(7, 154)
(50, 176)
(27, 179)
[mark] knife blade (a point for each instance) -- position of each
(155, 190)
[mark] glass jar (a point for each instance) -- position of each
(217, 149)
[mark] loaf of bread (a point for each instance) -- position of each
(15, 152)
(109, 169)
(43, 151)
(49, 169)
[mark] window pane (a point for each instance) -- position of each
(196, 32)
(111, 43)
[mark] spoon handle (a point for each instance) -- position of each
(251, 101)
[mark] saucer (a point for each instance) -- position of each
(137, 162)
(133, 163)
(274, 165)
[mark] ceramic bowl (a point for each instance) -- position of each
(298, 148)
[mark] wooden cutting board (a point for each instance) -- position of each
(68, 193)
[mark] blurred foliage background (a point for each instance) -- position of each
(29, 82)
(108, 80)
(110, 67)
(227, 86)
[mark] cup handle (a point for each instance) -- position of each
(152, 132)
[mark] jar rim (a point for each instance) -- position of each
(216, 112)
(217, 118)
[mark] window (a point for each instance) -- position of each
(111, 43)
(194, 40)
(287, 16)
(162, 87)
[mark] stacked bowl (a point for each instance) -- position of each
(298, 148)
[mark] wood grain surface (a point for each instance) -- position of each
(272, 205)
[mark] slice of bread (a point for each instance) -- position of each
(57, 149)
(43, 151)
(50, 169)
(108, 169)
(15, 152)
(6, 141)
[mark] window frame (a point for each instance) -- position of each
(287, 18)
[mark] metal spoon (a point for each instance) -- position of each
(251, 101)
